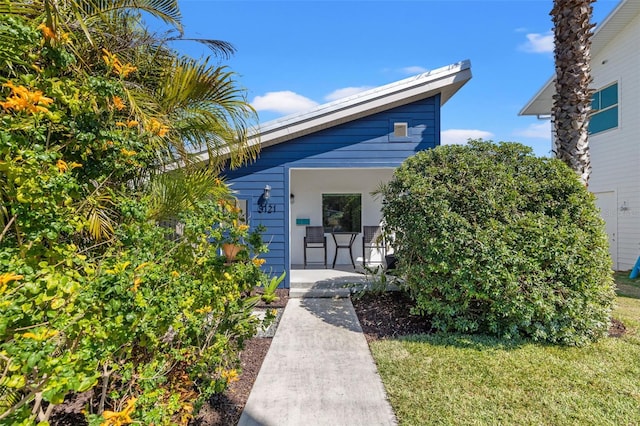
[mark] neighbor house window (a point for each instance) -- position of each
(341, 212)
(604, 109)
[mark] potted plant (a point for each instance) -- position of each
(233, 240)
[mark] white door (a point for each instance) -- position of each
(608, 205)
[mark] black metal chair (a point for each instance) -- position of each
(372, 238)
(315, 238)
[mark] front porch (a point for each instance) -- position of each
(310, 190)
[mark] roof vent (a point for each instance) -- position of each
(400, 130)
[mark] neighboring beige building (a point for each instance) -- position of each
(614, 128)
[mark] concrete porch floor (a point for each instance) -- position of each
(320, 282)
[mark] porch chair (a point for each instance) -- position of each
(372, 238)
(315, 238)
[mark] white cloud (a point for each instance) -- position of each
(343, 93)
(461, 136)
(284, 102)
(413, 70)
(540, 130)
(538, 43)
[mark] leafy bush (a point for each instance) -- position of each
(492, 239)
(93, 292)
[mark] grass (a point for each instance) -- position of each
(476, 380)
(626, 286)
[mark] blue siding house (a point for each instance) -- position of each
(346, 147)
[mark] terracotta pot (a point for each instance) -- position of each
(231, 250)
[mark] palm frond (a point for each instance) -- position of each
(97, 211)
(165, 10)
(207, 110)
(26, 9)
(218, 47)
(181, 190)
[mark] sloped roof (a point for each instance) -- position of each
(619, 18)
(446, 81)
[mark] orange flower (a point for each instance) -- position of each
(119, 418)
(6, 277)
(112, 61)
(124, 70)
(127, 152)
(157, 128)
(62, 166)
(258, 262)
(230, 375)
(132, 123)
(118, 103)
(136, 284)
(47, 32)
(22, 98)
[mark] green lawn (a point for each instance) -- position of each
(478, 380)
(625, 286)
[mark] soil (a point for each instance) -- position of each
(381, 316)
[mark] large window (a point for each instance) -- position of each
(341, 212)
(604, 109)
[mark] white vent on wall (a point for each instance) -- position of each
(400, 130)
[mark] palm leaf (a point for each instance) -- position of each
(181, 190)
(207, 110)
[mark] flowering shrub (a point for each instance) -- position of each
(93, 293)
(492, 239)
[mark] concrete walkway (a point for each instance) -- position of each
(318, 371)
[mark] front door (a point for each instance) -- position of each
(608, 204)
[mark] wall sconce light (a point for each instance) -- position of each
(624, 207)
(264, 197)
(292, 198)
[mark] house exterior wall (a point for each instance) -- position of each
(615, 153)
(364, 143)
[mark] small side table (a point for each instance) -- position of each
(343, 244)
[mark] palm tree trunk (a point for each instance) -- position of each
(572, 101)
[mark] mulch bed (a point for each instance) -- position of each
(381, 316)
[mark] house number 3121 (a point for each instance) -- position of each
(267, 208)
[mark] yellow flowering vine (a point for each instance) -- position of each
(112, 61)
(6, 278)
(63, 166)
(118, 103)
(230, 376)
(258, 261)
(157, 128)
(23, 99)
(119, 418)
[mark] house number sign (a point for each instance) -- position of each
(267, 208)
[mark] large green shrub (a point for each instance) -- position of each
(94, 293)
(495, 240)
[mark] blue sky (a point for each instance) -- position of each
(293, 55)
